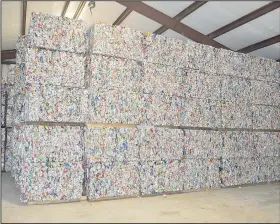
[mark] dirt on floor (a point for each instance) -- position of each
(257, 203)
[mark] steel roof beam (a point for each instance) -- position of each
(183, 14)
(171, 23)
(122, 17)
(259, 45)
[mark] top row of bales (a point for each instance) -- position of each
(64, 34)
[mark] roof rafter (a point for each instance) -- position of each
(8, 62)
(24, 10)
(8, 54)
(122, 17)
(262, 44)
(79, 9)
(183, 14)
(171, 23)
(65, 8)
(245, 19)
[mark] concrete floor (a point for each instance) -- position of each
(258, 203)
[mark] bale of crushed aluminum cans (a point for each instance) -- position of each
(207, 86)
(163, 79)
(266, 117)
(112, 179)
(199, 166)
(51, 103)
(114, 106)
(235, 89)
(51, 181)
(6, 150)
(198, 173)
(42, 143)
(202, 144)
(266, 144)
(112, 74)
(103, 144)
(51, 77)
(237, 114)
(160, 176)
(7, 100)
(21, 47)
(9, 115)
(112, 162)
(19, 82)
(51, 85)
(249, 157)
(8, 91)
(266, 93)
(160, 144)
(3, 149)
(168, 51)
(265, 69)
(3, 107)
(116, 41)
(238, 144)
(239, 65)
(47, 163)
(200, 112)
(57, 33)
(51, 67)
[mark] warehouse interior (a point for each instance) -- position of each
(140, 111)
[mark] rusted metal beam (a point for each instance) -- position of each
(183, 14)
(262, 44)
(245, 19)
(65, 8)
(24, 10)
(122, 17)
(79, 9)
(8, 62)
(9, 54)
(171, 23)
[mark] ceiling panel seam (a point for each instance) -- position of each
(244, 19)
(183, 14)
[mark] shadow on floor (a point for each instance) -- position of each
(10, 193)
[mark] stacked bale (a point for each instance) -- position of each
(112, 162)
(51, 101)
(167, 115)
(166, 82)
(7, 101)
(250, 91)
